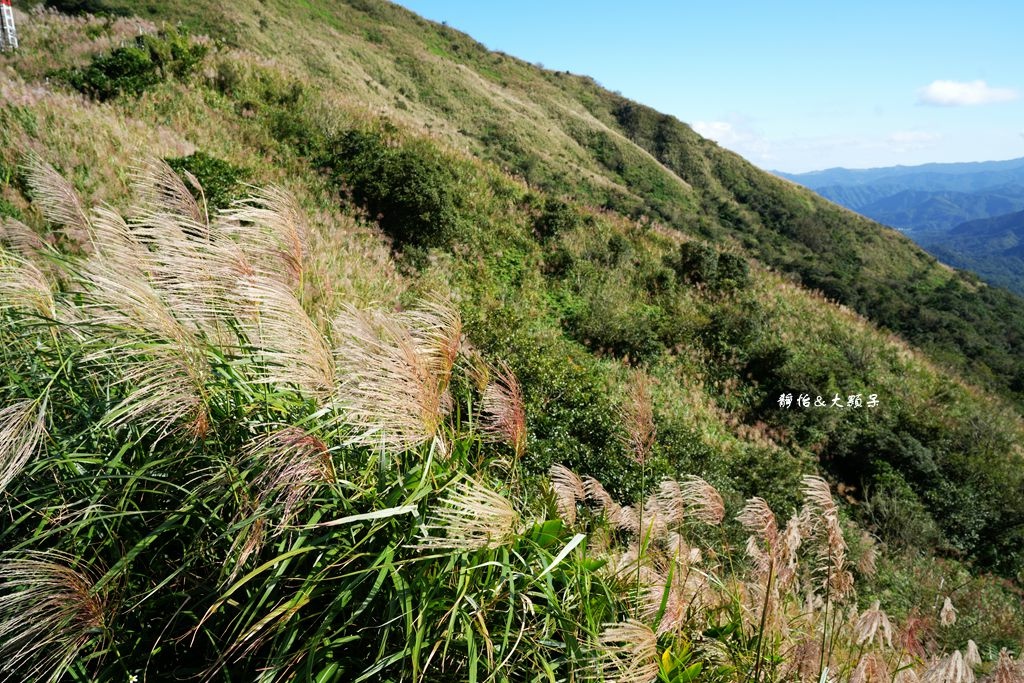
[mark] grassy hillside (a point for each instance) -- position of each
(430, 405)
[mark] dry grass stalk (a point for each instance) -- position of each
(58, 200)
(294, 350)
(504, 409)
(947, 615)
(627, 652)
(638, 417)
(703, 501)
(568, 489)
(871, 668)
(871, 624)
(48, 613)
(158, 186)
(390, 387)
(471, 517)
(22, 428)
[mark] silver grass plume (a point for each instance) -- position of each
(58, 200)
(871, 668)
(271, 228)
(470, 517)
(948, 669)
(671, 501)
(568, 490)
(161, 364)
(393, 389)
(292, 348)
(504, 411)
(866, 565)
(871, 624)
(638, 417)
(826, 530)
(23, 286)
(757, 517)
(21, 239)
(703, 501)
(288, 465)
(436, 327)
(972, 657)
(947, 615)
(677, 594)
(291, 463)
(157, 185)
(49, 613)
(627, 652)
(22, 428)
(1006, 670)
(619, 516)
(906, 675)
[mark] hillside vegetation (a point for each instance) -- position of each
(337, 347)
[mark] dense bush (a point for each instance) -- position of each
(134, 69)
(99, 7)
(408, 187)
(699, 263)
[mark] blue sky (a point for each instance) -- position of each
(793, 86)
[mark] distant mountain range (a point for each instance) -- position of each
(969, 215)
(991, 247)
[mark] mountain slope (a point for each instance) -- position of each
(652, 295)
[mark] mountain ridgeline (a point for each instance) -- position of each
(964, 214)
(577, 283)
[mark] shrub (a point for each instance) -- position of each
(134, 69)
(408, 188)
(556, 217)
(83, 7)
(699, 263)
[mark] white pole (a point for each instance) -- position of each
(8, 34)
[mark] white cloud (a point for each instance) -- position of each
(721, 132)
(964, 94)
(913, 137)
(737, 134)
(911, 140)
